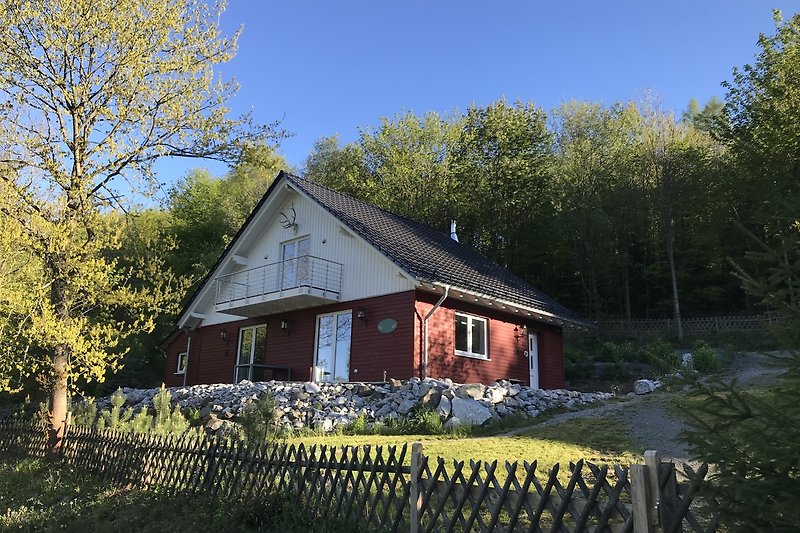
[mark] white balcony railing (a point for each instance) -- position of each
(311, 273)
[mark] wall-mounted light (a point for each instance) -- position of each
(285, 325)
(361, 314)
(223, 334)
(520, 331)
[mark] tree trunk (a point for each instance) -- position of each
(61, 353)
(58, 401)
(668, 233)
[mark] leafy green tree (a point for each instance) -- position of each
(206, 212)
(763, 133)
(709, 119)
(752, 438)
(337, 166)
(502, 164)
(601, 212)
(92, 92)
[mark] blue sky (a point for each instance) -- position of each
(334, 66)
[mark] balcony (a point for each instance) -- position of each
(279, 287)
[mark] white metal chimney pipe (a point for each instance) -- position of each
(453, 230)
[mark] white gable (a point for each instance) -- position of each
(287, 216)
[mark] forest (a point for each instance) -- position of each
(618, 209)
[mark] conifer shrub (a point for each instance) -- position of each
(704, 359)
(258, 420)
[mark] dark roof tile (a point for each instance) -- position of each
(428, 254)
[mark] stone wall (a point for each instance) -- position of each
(326, 406)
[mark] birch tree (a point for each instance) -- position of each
(92, 93)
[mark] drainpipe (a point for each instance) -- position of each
(188, 347)
(425, 328)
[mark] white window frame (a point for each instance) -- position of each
(183, 357)
(470, 352)
(292, 271)
(249, 365)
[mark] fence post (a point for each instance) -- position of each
(646, 494)
(415, 494)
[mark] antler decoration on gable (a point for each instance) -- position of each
(286, 222)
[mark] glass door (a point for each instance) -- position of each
(252, 350)
(333, 346)
(295, 265)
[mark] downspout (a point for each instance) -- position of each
(425, 328)
(188, 347)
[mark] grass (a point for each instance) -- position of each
(36, 496)
(601, 441)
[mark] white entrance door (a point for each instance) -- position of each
(533, 359)
(333, 347)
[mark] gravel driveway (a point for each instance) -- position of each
(651, 421)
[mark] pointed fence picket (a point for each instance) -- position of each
(391, 488)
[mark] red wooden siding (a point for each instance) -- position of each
(399, 354)
(212, 359)
(506, 352)
(551, 359)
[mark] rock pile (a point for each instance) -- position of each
(326, 406)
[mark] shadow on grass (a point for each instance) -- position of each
(37, 496)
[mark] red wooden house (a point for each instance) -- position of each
(320, 286)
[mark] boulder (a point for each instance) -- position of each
(495, 395)
(644, 386)
(469, 411)
(431, 398)
(311, 388)
(470, 390)
(444, 408)
(406, 406)
(213, 423)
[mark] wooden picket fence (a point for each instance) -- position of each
(386, 488)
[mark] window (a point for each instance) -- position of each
(252, 349)
(471, 336)
(183, 358)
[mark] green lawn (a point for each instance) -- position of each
(601, 441)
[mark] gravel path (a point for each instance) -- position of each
(651, 421)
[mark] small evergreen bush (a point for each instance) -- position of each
(704, 359)
(258, 420)
(662, 356)
(116, 418)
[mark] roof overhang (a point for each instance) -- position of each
(506, 306)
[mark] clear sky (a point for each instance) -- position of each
(327, 67)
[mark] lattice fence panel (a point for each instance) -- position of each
(481, 496)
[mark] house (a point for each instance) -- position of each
(320, 286)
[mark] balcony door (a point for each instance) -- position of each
(295, 271)
(252, 350)
(332, 362)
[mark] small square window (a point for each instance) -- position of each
(471, 337)
(183, 358)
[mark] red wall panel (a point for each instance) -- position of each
(506, 347)
(372, 353)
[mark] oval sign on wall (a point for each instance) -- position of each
(387, 325)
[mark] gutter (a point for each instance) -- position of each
(425, 328)
(188, 349)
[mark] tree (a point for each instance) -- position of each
(502, 165)
(709, 119)
(92, 92)
(206, 212)
(752, 437)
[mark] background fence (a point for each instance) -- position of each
(667, 327)
(386, 488)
